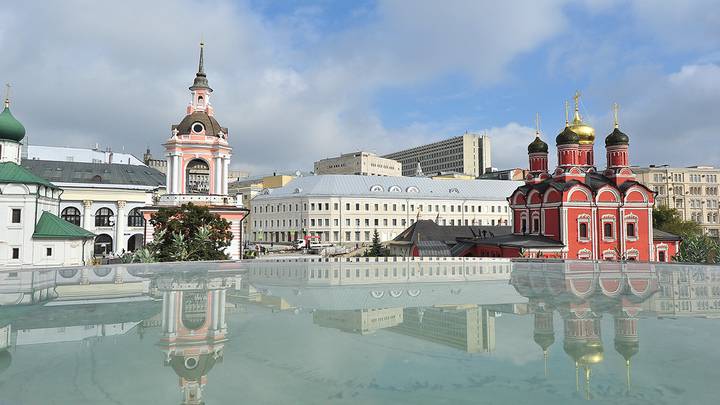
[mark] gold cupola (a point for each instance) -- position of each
(584, 131)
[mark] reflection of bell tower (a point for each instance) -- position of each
(627, 342)
(582, 341)
(193, 328)
(543, 331)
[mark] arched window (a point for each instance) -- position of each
(103, 244)
(103, 217)
(72, 215)
(631, 230)
(583, 230)
(197, 177)
(135, 218)
(608, 230)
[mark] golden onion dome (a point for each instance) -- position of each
(585, 353)
(584, 131)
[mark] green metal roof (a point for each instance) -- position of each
(11, 172)
(52, 227)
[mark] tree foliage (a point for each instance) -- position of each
(186, 233)
(376, 248)
(698, 249)
(668, 219)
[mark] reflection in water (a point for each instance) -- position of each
(194, 330)
(451, 305)
(581, 293)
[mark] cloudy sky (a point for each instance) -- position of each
(296, 81)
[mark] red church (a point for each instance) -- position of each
(576, 211)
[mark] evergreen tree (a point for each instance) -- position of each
(376, 248)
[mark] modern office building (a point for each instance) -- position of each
(468, 154)
(347, 209)
(693, 191)
(360, 163)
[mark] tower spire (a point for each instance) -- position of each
(567, 116)
(7, 95)
(576, 114)
(537, 124)
(615, 108)
(201, 81)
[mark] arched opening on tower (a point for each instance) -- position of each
(197, 177)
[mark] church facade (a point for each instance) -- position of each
(198, 164)
(577, 211)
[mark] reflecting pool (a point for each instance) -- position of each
(442, 331)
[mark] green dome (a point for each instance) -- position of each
(567, 137)
(627, 348)
(10, 128)
(544, 340)
(538, 146)
(617, 137)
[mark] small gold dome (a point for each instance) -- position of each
(584, 131)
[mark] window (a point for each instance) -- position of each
(48, 252)
(135, 218)
(583, 230)
(15, 253)
(72, 215)
(16, 214)
(608, 230)
(630, 230)
(103, 217)
(661, 256)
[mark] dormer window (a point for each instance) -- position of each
(198, 127)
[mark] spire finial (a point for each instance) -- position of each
(576, 115)
(7, 95)
(627, 377)
(567, 114)
(201, 68)
(545, 355)
(616, 108)
(537, 124)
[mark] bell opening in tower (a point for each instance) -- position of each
(197, 177)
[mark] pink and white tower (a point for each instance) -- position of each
(198, 163)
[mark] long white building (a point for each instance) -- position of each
(346, 209)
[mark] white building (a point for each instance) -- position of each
(359, 163)
(468, 154)
(31, 233)
(104, 199)
(346, 209)
(86, 155)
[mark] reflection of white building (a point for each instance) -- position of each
(360, 321)
(688, 291)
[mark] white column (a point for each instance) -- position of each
(171, 312)
(120, 226)
(164, 313)
(222, 309)
(178, 175)
(169, 175)
(226, 173)
(87, 212)
(214, 312)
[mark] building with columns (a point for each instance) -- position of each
(198, 164)
(104, 199)
(577, 211)
(31, 233)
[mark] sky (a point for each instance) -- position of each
(297, 81)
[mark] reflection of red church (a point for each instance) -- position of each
(194, 331)
(581, 294)
(577, 212)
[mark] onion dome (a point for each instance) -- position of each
(617, 137)
(192, 368)
(10, 128)
(627, 349)
(538, 146)
(544, 340)
(585, 353)
(584, 131)
(567, 137)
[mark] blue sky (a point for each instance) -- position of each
(296, 81)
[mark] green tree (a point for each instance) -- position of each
(698, 249)
(186, 233)
(376, 248)
(668, 219)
